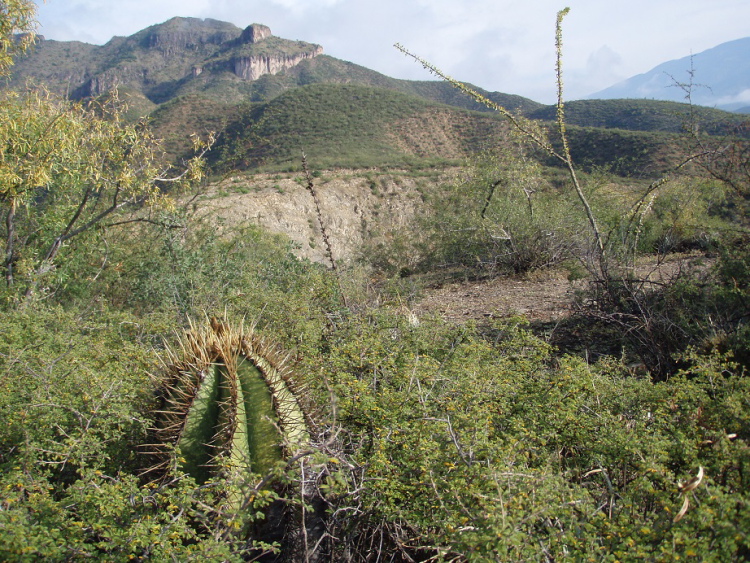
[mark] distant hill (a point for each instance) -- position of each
(721, 78)
(354, 126)
(644, 115)
(163, 61)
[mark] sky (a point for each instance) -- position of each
(499, 45)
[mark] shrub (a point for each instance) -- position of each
(500, 217)
(485, 448)
(75, 408)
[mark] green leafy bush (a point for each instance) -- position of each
(501, 216)
(486, 447)
(70, 386)
(75, 400)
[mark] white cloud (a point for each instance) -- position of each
(740, 98)
(305, 5)
(603, 68)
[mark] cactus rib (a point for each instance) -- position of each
(226, 402)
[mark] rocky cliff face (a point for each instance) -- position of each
(98, 85)
(180, 34)
(253, 67)
(163, 60)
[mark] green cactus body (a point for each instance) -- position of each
(199, 424)
(260, 420)
(227, 405)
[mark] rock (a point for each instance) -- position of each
(255, 33)
(254, 66)
(285, 206)
(162, 60)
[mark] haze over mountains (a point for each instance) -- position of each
(720, 78)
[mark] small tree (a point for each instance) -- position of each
(65, 169)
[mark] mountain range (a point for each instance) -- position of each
(211, 58)
(272, 98)
(718, 77)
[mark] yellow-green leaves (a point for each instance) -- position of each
(66, 168)
(16, 17)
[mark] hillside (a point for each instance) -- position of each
(325, 69)
(348, 126)
(214, 59)
(643, 115)
(162, 61)
(353, 126)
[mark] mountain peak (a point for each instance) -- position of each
(164, 60)
(186, 33)
(719, 77)
(255, 33)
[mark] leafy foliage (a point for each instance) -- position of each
(79, 400)
(64, 170)
(17, 18)
(482, 445)
(501, 217)
(75, 404)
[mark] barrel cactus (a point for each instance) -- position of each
(227, 403)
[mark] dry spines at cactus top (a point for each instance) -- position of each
(227, 401)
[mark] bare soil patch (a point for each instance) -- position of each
(545, 296)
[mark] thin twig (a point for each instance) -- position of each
(324, 233)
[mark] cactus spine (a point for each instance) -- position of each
(227, 403)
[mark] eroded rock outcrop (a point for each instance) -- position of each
(255, 33)
(253, 67)
(178, 34)
(162, 61)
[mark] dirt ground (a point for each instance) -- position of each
(543, 296)
(546, 296)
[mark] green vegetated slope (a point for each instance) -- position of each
(59, 65)
(623, 152)
(179, 56)
(354, 126)
(329, 70)
(345, 125)
(643, 115)
(175, 121)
